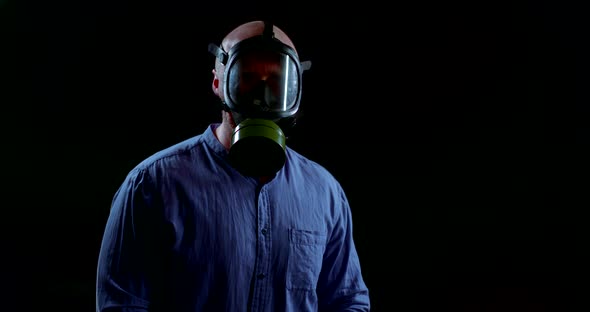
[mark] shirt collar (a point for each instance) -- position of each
(212, 141)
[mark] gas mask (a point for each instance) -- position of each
(262, 91)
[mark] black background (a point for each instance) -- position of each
(457, 130)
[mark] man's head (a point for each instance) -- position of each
(257, 77)
(257, 72)
(238, 34)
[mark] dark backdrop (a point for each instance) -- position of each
(456, 129)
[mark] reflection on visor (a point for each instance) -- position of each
(266, 82)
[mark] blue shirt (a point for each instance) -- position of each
(187, 232)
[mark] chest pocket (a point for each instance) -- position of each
(305, 259)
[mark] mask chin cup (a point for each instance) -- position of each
(258, 147)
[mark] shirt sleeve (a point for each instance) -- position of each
(124, 261)
(341, 286)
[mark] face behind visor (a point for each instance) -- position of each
(263, 79)
(262, 87)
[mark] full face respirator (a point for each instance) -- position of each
(262, 91)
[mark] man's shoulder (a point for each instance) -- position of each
(307, 165)
(173, 153)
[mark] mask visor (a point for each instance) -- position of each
(264, 83)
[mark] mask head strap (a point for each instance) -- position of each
(268, 30)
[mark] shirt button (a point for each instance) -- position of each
(261, 276)
(264, 231)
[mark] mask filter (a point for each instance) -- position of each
(257, 147)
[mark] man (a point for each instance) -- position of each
(233, 219)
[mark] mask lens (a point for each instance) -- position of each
(263, 82)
